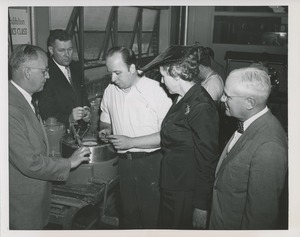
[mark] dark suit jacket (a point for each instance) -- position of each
(250, 180)
(58, 98)
(189, 137)
(29, 167)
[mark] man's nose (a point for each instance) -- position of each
(47, 76)
(67, 54)
(223, 98)
(113, 77)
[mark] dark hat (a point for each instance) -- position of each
(175, 53)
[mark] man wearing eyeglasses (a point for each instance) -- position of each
(64, 96)
(30, 169)
(251, 176)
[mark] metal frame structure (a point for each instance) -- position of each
(75, 28)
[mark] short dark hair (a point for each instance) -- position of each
(58, 34)
(209, 51)
(127, 54)
(204, 59)
(23, 53)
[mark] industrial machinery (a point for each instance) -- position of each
(87, 195)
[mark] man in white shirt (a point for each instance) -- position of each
(210, 80)
(215, 66)
(30, 169)
(133, 108)
(251, 175)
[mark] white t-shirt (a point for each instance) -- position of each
(135, 113)
(214, 85)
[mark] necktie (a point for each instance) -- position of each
(240, 126)
(69, 76)
(36, 109)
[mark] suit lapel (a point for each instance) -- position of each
(224, 155)
(16, 99)
(59, 75)
(234, 150)
(250, 132)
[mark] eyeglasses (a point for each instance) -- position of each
(226, 97)
(45, 71)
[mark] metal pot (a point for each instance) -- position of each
(99, 151)
(103, 164)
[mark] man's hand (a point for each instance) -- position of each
(86, 114)
(80, 155)
(103, 134)
(80, 113)
(120, 142)
(199, 219)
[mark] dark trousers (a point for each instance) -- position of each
(176, 210)
(139, 186)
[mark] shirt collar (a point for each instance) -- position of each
(62, 68)
(27, 96)
(254, 117)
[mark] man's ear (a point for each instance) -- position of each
(132, 69)
(27, 72)
(250, 103)
(50, 49)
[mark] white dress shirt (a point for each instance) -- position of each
(137, 112)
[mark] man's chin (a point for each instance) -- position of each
(41, 89)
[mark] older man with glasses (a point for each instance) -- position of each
(251, 175)
(30, 168)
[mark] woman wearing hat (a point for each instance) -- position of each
(189, 139)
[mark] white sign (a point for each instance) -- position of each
(20, 27)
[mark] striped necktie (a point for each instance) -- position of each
(36, 109)
(69, 76)
(240, 126)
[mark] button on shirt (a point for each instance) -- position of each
(247, 123)
(135, 113)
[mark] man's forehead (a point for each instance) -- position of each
(232, 83)
(233, 79)
(115, 61)
(62, 44)
(115, 57)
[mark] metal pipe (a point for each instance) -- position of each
(33, 30)
(186, 24)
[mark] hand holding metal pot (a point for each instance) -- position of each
(80, 155)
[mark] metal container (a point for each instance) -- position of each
(99, 151)
(103, 164)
